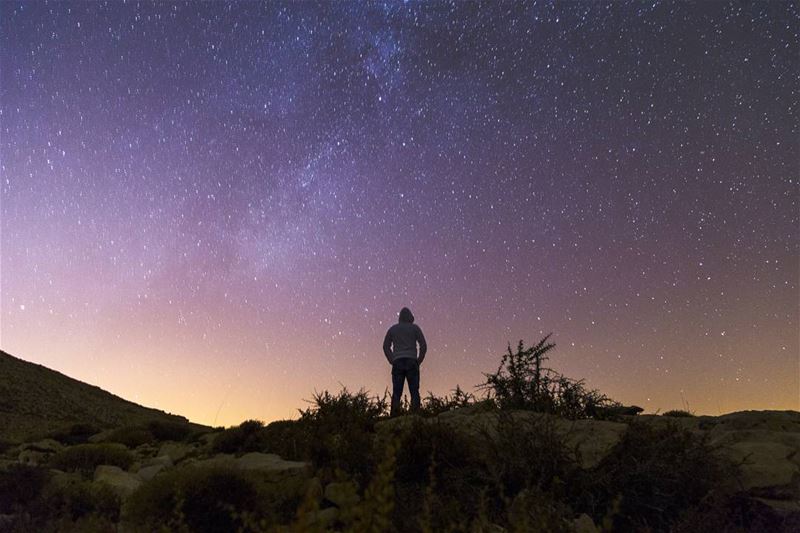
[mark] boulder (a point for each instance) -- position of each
(764, 464)
(592, 439)
(342, 494)
(44, 445)
(60, 480)
(782, 421)
(101, 437)
(206, 440)
(584, 524)
(176, 451)
(33, 457)
(147, 473)
(163, 460)
(268, 462)
(322, 518)
(121, 482)
(6, 521)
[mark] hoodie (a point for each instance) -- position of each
(401, 340)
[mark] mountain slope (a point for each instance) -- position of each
(35, 400)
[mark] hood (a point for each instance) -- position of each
(406, 316)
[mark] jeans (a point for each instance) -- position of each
(405, 369)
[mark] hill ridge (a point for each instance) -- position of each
(35, 400)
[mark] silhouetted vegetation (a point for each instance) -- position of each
(85, 458)
(522, 381)
(19, 484)
(35, 502)
(340, 430)
(462, 463)
(654, 476)
(207, 500)
(130, 436)
(433, 405)
(246, 437)
(75, 434)
(164, 430)
(678, 413)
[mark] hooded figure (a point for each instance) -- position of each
(400, 349)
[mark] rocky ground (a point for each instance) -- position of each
(764, 444)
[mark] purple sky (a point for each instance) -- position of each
(217, 208)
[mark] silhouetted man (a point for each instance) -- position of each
(400, 349)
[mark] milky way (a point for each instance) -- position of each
(217, 208)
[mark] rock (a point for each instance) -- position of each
(592, 439)
(221, 459)
(782, 421)
(163, 460)
(764, 464)
(32, 457)
(323, 518)
(584, 524)
(342, 494)
(176, 451)
(782, 507)
(206, 440)
(147, 473)
(61, 479)
(37, 453)
(314, 489)
(121, 482)
(44, 445)
(6, 520)
(101, 437)
(268, 462)
(146, 450)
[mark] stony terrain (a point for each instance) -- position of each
(120, 462)
(764, 443)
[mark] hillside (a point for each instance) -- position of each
(35, 400)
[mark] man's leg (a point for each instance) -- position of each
(412, 374)
(398, 377)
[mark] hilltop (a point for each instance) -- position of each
(536, 454)
(35, 400)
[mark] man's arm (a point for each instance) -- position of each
(387, 347)
(423, 346)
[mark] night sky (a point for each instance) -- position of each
(217, 208)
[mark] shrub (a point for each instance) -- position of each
(340, 431)
(523, 382)
(80, 499)
(131, 436)
(529, 452)
(536, 510)
(207, 499)
(86, 457)
(246, 437)
(438, 477)
(37, 502)
(433, 405)
(735, 513)
(655, 474)
(5, 445)
(678, 413)
(19, 485)
(168, 430)
(75, 434)
(359, 407)
(287, 438)
(433, 449)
